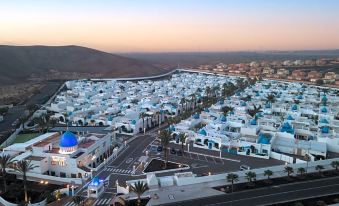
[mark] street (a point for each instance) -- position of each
(271, 195)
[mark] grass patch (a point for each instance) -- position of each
(22, 138)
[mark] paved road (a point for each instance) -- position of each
(17, 111)
(270, 195)
(12, 114)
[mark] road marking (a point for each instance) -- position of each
(95, 201)
(274, 194)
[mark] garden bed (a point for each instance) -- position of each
(22, 138)
(158, 165)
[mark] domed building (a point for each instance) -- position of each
(68, 143)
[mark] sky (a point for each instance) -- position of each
(172, 25)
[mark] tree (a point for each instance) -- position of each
(182, 138)
(250, 176)
(182, 102)
(301, 171)
(268, 173)
(208, 91)
(5, 162)
(254, 111)
(288, 170)
(319, 168)
(270, 98)
(24, 166)
(22, 121)
(227, 109)
(335, 165)
(139, 188)
(142, 115)
(165, 136)
(232, 178)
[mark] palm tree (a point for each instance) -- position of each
(5, 162)
(319, 168)
(142, 115)
(250, 176)
(227, 109)
(24, 166)
(22, 121)
(335, 165)
(270, 98)
(182, 102)
(232, 178)
(182, 138)
(301, 171)
(165, 136)
(254, 111)
(289, 170)
(268, 173)
(208, 91)
(139, 188)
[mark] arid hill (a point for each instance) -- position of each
(20, 63)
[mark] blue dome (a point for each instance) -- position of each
(196, 116)
(264, 139)
(267, 105)
(253, 122)
(206, 110)
(221, 101)
(257, 94)
(324, 99)
(295, 107)
(325, 130)
(133, 122)
(324, 110)
(290, 117)
(68, 139)
(324, 121)
(300, 97)
(287, 128)
(203, 132)
(223, 118)
(243, 104)
(110, 118)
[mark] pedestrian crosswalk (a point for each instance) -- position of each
(70, 204)
(118, 170)
(102, 201)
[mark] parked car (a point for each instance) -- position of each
(244, 167)
(159, 148)
(172, 151)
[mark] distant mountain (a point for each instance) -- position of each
(197, 58)
(18, 63)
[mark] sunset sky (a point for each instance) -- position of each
(172, 25)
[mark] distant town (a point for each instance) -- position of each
(315, 71)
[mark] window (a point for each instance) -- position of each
(52, 173)
(73, 175)
(62, 174)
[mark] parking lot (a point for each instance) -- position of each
(202, 161)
